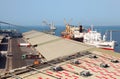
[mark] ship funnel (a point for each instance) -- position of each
(80, 28)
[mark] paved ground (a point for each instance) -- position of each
(17, 60)
(17, 53)
(13, 58)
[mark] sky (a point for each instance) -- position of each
(85, 12)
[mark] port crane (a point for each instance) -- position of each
(68, 26)
(10, 29)
(51, 26)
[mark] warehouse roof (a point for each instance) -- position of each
(51, 46)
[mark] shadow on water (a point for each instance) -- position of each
(4, 41)
(2, 62)
(3, 47)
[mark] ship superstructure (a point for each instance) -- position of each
(88, 36)
(95, 38)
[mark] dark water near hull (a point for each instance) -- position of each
(101, 29)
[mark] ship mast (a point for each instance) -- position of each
(110, 35)
(67, 24)
(92, 27)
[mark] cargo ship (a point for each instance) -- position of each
(88, 36)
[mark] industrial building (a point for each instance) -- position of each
(66, 59)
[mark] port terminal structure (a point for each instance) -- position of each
(59, 58)
(62, 58)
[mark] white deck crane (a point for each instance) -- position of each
(51, 25)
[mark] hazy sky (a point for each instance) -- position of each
(86, 12)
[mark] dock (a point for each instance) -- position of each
(60, 58)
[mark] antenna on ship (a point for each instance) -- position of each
(78, 23)
(110, 35)
(110, 32)
(65, 22)
(92, 27)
